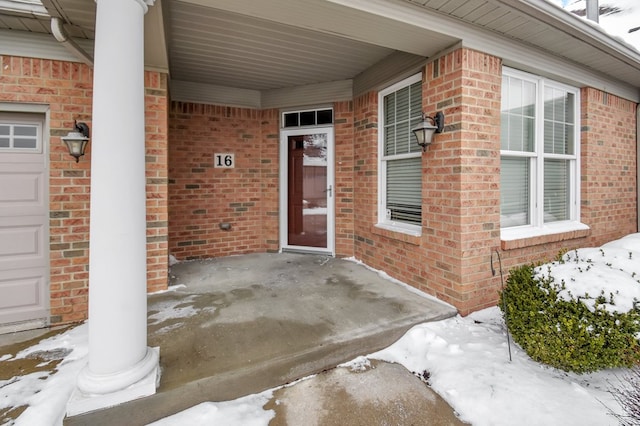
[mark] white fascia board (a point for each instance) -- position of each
(310, 94)
(38, 45)
(26, 107)
(44, 46)
(580, 28)
(512, 52)
(395, 67)
(186, 91)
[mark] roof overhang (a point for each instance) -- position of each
(272, 53)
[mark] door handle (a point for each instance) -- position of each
(329, 190)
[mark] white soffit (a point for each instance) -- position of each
(24, 7)
(79, 16)
(225, 48)
(350, 23)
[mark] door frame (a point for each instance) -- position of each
(284, 188)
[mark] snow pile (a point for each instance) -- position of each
(46, 393)
(611, 271)
(245, 411)
(467, 362)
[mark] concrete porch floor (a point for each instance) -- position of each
(243, 324)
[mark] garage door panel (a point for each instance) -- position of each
(23, 295)
(21, 292)
(21, 193)
(21, 246)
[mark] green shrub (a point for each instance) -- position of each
(566, 334)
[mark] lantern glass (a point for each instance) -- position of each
(424, 133)
(76, 144)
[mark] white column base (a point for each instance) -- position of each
(82, 402)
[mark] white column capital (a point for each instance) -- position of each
(145, 4)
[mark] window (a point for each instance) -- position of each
(400, 194)
(539, 174)
(307, 118)
(18, 137)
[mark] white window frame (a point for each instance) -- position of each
(383, 222)
(537, 226)
(26, 122)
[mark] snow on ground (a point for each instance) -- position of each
(46, 393)
(245, 411)
(468, 364)
(466, 361)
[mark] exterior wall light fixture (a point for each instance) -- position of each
(425, 130)
(77, 140)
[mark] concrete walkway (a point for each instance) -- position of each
(240, 325)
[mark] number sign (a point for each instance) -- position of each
(224, 161)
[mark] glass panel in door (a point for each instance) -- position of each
(307, 190)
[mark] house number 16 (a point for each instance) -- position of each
(224, 161)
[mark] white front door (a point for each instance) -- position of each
(24, 206)
(307, 190)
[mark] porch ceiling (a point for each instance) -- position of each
(213, 46)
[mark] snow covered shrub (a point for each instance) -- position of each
(572, 332)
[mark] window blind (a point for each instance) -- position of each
(514, 191)
(556, 190)
(404, 191)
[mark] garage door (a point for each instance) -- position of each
(24, 254)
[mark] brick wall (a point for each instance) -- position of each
(344, 179)
(247, 197)
(461, 185)
(157, 141)
(365, 176)
(399, 255)
(462, 176)
(66, 87)
(202, 197)
(608, 163)
(270, 179)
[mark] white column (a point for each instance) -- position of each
(121, 367)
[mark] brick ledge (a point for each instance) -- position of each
(396, 235)
(544, 239)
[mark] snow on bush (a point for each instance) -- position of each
(579, 313)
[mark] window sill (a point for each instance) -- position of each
(411, 235)
(515, 238)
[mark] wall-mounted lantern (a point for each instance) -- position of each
(77, 140)
(425, 130)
